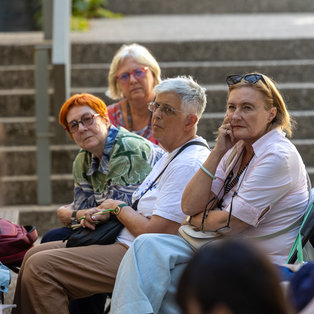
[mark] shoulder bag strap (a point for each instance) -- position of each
(134, 205)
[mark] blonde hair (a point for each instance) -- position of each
(141, 55)
(272, 98)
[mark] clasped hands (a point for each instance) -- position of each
(99, 214)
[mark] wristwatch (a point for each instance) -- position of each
(73, 217)
(188, 219)
(117, 209)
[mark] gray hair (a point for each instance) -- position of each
(193, 96)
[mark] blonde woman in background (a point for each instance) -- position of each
(132, 76)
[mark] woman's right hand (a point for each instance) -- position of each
(64, 213)
(225, 139)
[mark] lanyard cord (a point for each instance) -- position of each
(227, 186)
(236, 192)
(130, 122)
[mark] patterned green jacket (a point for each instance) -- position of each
(127, 159)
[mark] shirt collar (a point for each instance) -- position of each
(102, 166)
(270, 137)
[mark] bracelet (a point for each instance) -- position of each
(73, 217)
(117, 209)
(207, 172)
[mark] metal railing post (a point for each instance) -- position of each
(61, 52)
(47, 18)
(56, 24)
(61, 61)
(42, 123)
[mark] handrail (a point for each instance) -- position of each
(56, 22)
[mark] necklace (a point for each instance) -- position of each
(235, 180)
(129, 116)
(147, 128)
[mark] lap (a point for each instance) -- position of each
(85, 255)
(43, 247)
(163, 245)
(96, 266)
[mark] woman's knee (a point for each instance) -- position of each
(35, 266)
(40, 249)
(152, 242)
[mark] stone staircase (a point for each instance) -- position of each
(209, 57)
(137, 7)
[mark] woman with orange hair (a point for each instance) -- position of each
(111, 162)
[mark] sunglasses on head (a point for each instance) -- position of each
(251, 78)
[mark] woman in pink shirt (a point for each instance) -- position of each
(253, 185)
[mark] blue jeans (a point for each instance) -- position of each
(91, 305)
(56, 234)
(148, 275)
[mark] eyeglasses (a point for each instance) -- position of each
(226, 228)
(227, 186)
(166, 109)
(137, 73)
(251, 78)
(86, 120)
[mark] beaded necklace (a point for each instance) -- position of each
(235, 180)
(226, 187)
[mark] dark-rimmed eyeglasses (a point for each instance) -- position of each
(137, 73)
(87, 119)
(251, 78)
(166, 109)
(224, 229)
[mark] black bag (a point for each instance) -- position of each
(105, 233)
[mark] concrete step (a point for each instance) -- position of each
(21, 130)
(43, 217)
(298, 96)
(21, 102)
(213, 72)
(213, 48)
(10, 214)
(62, 189)
(304, 129)
(206, 6)
(19, 190)
(241, 49)
(21, 160)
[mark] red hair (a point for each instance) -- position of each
(82, 100)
